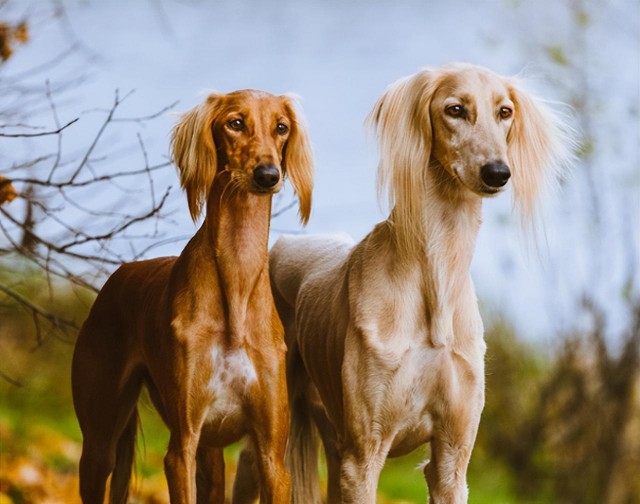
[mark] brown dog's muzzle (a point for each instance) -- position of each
(266, 177)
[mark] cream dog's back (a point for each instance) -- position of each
(305, 256)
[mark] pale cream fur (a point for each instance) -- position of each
(385, 341)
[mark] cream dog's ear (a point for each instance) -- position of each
(402, 124)
(539, 146)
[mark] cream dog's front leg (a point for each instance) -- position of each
(365, 443)
(454, 434)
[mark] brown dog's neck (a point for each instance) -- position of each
(230, 250)
(237, 227)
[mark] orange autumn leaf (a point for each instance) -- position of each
(5, 42)
(7, 191)
(21, 32)
(11, 34)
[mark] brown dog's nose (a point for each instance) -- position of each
(266, 176)
(495, 174)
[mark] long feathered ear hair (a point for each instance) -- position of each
(540, 148)
(194, 153)
(402, 124)
(298, 159)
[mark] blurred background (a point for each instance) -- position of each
(89, 93)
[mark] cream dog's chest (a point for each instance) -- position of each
(421, 381)
(412, 380)
(410, 400)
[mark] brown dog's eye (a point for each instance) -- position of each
(456, 111)
(505, 112)
(282, 129)
(236, 124)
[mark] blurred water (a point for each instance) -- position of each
(340, 56)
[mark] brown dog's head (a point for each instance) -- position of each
(255, 137)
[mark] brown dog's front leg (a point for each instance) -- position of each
(269, 435)
(210, 475)
(274, 477)
(246, 487)
(180, 468)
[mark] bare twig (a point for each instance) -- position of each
(76, 212)
(55, 320)
(12, 381)
(148, 117)
(40, 134)
(282, 210)
(83, 162)
(90, 181)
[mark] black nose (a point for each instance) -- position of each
(266, 176)
(495, 174)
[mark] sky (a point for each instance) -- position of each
(339, 57)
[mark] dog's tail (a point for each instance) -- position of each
(125, 454)
(302, 456)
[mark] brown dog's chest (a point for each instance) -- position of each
(232, 374)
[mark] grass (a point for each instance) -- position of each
(39, 432)
(36, 418)
(402, 479)
(41, 414)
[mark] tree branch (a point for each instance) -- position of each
(41, 134)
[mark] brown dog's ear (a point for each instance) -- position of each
(298, 159)
(539, 146)
(194, 153)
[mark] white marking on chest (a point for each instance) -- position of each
(230, 370)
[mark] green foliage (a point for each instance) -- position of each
(566, 426)
(586, 148)
(514, 375)
(561, 427)
(583, 19)
(402, 479)
(557, 55)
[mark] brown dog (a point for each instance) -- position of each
(200, 330)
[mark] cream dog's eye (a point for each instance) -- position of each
(505, 112)
(456, 111)
(282, 129)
